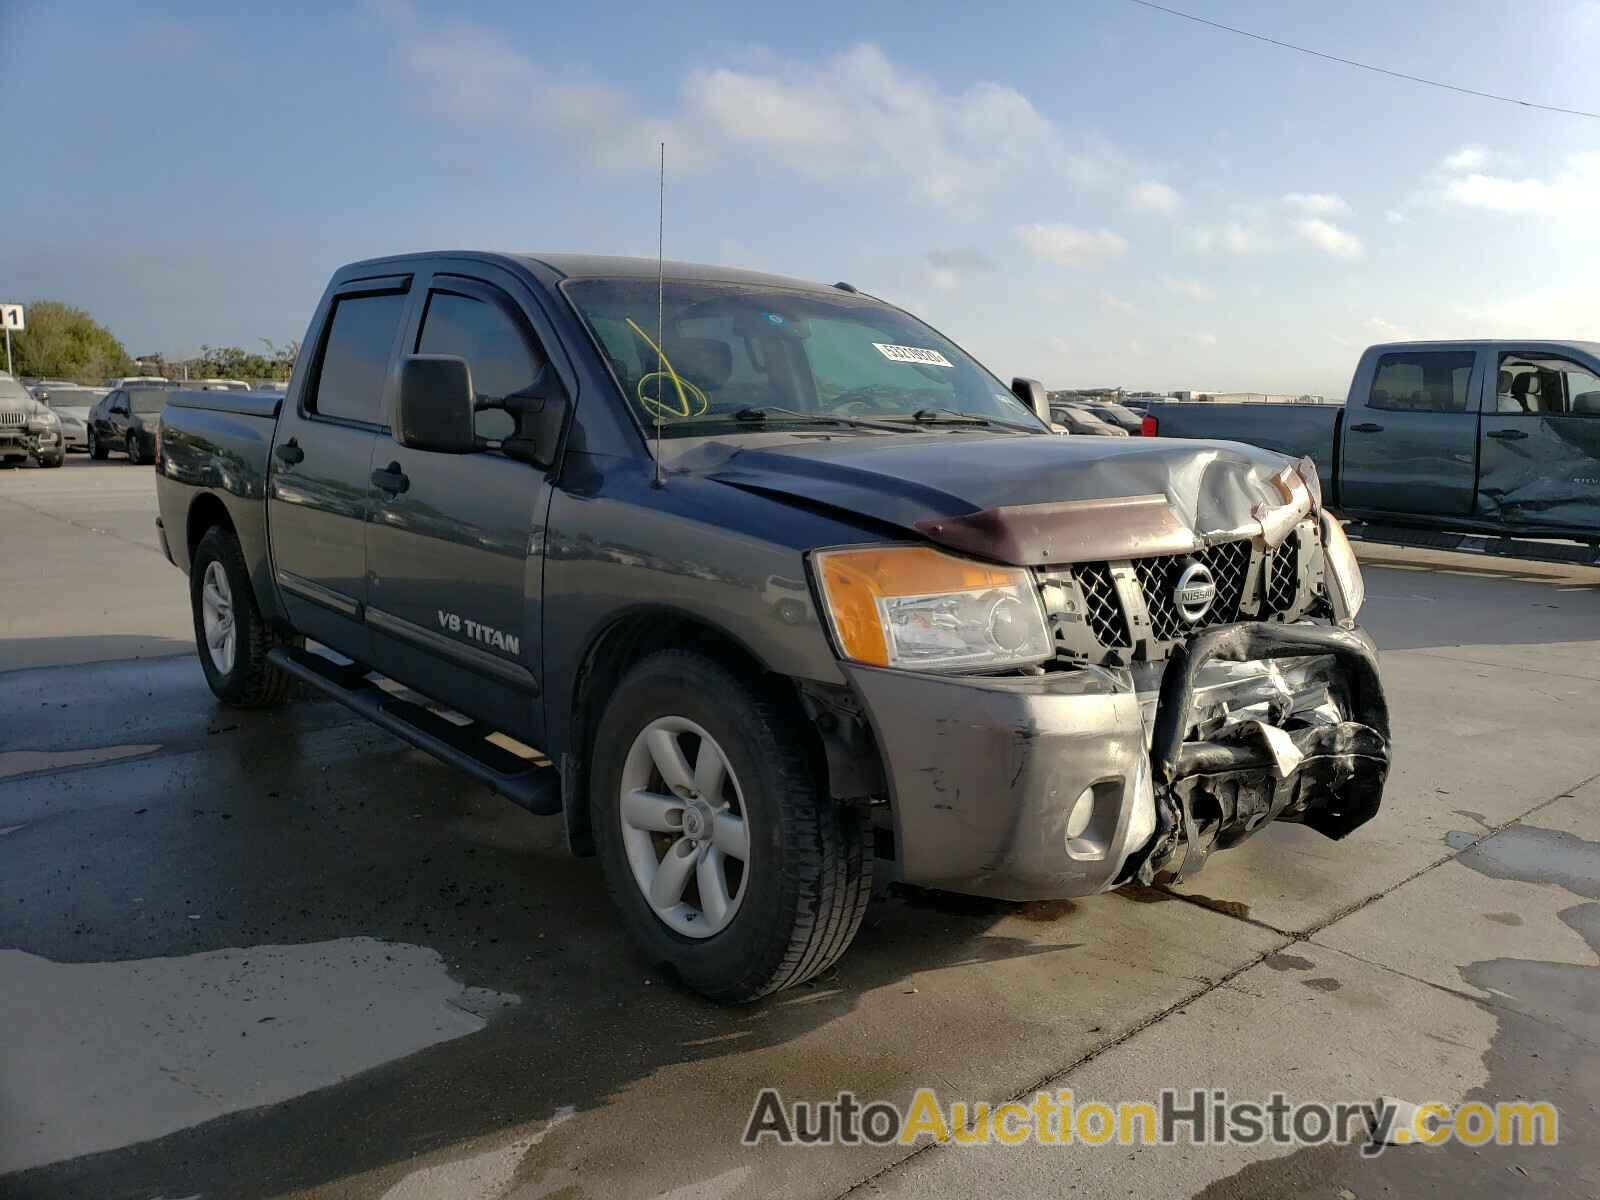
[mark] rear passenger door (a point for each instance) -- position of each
(1541, 442)
(1413, 446)
(319, 483)
(455, 558)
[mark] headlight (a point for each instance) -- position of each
(916, 608)
(1349, 588)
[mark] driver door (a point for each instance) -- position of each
(454, 554)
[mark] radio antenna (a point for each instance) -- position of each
(661, 302)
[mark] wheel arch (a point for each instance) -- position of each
(630, 637)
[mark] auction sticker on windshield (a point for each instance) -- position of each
(913, 354)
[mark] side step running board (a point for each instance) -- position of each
(536, 788)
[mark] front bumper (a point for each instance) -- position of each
(75, 437)
(1072, 782)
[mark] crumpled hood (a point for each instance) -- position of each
(976, 492)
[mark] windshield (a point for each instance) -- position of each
(148, 400)
(732, 348)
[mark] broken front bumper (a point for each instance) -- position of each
(1072, 782)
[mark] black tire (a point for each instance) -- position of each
(54, 461)
(811, 859)
(96, 450)
(253, 682)
(131, 447)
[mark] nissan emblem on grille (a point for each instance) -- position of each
(1195, 591)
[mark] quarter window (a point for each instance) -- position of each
(355, 360)
(1542, 383)
(1434, 381)
(500, 355)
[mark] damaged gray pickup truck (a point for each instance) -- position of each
(787, 589)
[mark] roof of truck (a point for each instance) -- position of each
(1552, 344)
(613, 267)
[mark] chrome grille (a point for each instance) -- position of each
(1102, 610)
(1229, 563)
(11, 420)
(1283, 575)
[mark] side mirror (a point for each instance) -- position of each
(436, 405)
(540, 412)
(1032, 393)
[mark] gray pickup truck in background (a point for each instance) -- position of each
(1499, 437)
(788, 591)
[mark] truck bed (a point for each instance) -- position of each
(1300, 430)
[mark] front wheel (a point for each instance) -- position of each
(132, 445)
(54, 460)
(722, 850)
(232, 638)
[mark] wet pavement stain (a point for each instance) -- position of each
(1322, 983)
(1546, 1046)
(1503, 918)
(1288, 962)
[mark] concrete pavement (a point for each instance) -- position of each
(283, 954)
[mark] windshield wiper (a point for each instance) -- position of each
(763, 412)
(954, 416)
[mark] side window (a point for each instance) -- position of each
(501, 355)
(1541, 383)
(1430, 381)
(355, 358)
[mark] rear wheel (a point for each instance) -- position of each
(723, 853)
(132, 447)
(232, 638)
(96, 450)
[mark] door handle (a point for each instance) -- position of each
(1507, 435)
(289, 452)
(391, 479)
(1367, 427)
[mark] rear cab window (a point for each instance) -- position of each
(355, 357)
(1422, 381)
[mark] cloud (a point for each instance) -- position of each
(1316, 203)
(1151, 196)
(960, 259)
(1126, 307)
(1070, 246)
(1468, 158)
(1388, 330)
(1569, 191)
(1189, 289)
(1231, 237)
(858, 115)
(1329, 238)
(1394, 216)
(1201, 339)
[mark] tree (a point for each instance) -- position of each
(62, 342)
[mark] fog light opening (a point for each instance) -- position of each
(1082, 810)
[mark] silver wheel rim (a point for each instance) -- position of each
(684, 827)
(216, 617)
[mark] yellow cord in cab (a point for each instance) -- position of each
(687, 392)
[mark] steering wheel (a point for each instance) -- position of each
(864, 402)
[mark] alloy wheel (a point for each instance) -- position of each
(684, 827)
(216, 617)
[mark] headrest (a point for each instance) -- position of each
(706, 362)
(1523, 384)
(1504, 384)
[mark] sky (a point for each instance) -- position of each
(1085, 191)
